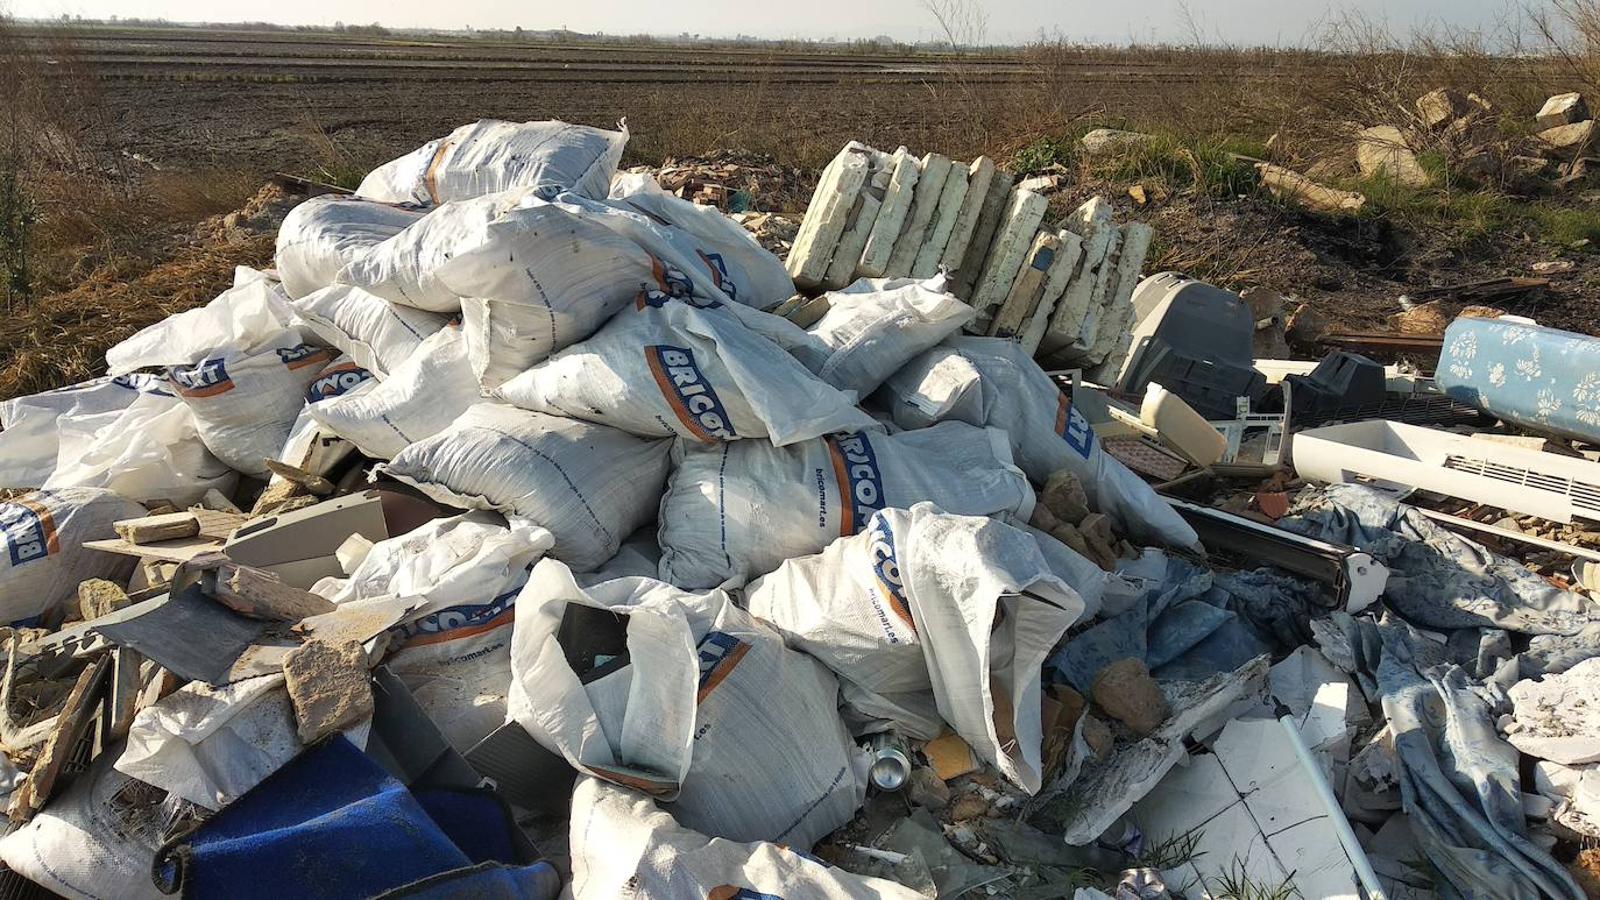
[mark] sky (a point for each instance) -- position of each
(1249, 22)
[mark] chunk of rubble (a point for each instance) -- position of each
(1110, 141)
(329, 686)
(1292, 187)
(1103, 792)
(1557, 718)
(1562, 109)
(1384, 150)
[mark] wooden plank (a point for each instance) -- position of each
(76, 716)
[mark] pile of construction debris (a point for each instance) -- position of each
(531, 531)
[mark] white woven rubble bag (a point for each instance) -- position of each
(310, 446)
(245, 404)
(690, 719)
(31, 437)
(676, 369)
(324, 234)
(624, 845)
(151, 452)
(992, 381)
(94, 840)
(238, 363)
(453, 651)
(380, 336)
(876, 325)
(44, 558)
(251, 314)
(210, 745)
(591, 486)
(925, 609)
(739, 266)
(419, 399)
(404, 268)
(492, 155)
(737, 511)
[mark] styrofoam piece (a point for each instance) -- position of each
(1393, 454)
(924, 206)
(892, 211)
(1027, 288)
(1024, 213)
(994, 207)
(951, 202)
(1092, 223)
(847, 256)
(980, 175)
(829, 214)
(1055, 284)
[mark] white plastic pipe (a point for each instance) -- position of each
(1341, 824)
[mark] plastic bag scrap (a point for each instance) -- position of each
(454, 651)
(310, 445)
(44, 556)
(623, 844)
(1438, 579)
(209, 745)
(687, 714)
(492, 155)
(738, 510)
(95, 840)
(590, 485)
(379, 335)
(955, 608)
(420, 398)
(877, 325)
(742, 268)
(715, 380)
(150, 451)
(31, 439)
(991, 381)
(324, 234)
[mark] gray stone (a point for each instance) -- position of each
(1562, 109)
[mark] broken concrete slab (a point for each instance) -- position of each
(1092, 223)
(1023, 214)
(1062, 268)
(1135, 247)
(980, 175)
(1557, 717)
(1292, 187)
(1027, 290)
(1567, 141)
(1384, 150)
(924, 206)
(891, 219)
(828, 215)
(989, 219)
(847, 256)
(1103, 792)
(1441, 107)
(952, 201)
(1562, 109)
(257, 594)
(330, 687)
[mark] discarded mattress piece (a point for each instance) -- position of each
(1541, 378)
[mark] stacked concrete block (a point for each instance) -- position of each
(829, 214)
(1023, 215)
(1063, 293)
(989, 215)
